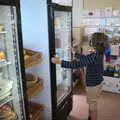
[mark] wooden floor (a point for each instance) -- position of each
(108, 106)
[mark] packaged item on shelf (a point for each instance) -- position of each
(117, 70)
(105, 67)
(116, 74)
(6, 113)
(108, 12)
(2, 54)
(5, 88)
(102, 12)
(115, 50)
(116, 13)
(107, 54)
(113, 57)
(119, 49)
(91, 13)
(2, 28)
(26, 56)
(109, 70)
(84, 13)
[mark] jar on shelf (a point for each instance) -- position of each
(2, 28)
(2, 54)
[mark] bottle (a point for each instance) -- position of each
(116, 74)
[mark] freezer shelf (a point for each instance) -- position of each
(6, 100)
(3, 32)
(4, 63)
(31, 58)
(62, 91)
(35, 110)
(7, 113)
(35, 88)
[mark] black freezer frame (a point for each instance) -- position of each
(60, 110)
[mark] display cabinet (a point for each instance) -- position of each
(13, 102)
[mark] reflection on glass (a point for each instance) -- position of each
(63, 50)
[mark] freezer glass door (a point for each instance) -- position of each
(11, 94)
(63, 50)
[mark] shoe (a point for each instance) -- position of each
(89, 118)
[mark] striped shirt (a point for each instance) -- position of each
(93, 64)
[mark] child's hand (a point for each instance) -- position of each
(56, 60)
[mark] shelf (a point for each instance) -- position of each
(6, 100)
(104, 17)
(31, 58)
(114, 41)
(3, 32)
(4, 63)
(34, 89)
(98, 26)
(30, 79)
(35, 110)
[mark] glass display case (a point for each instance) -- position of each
(63, 50)
(11, 88)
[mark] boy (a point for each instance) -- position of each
(94, 70)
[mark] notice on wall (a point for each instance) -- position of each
(108, 12)
(115, 50)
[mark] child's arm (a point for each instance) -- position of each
(72, 65)
(78, 55)
(83, 61)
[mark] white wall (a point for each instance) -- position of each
(35, 37)
(77, 31)
(101, 4)
(77, 7)
(88, 4)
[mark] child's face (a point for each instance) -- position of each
(91, 50)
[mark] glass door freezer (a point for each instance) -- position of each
(12, 100)
(60, 34)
